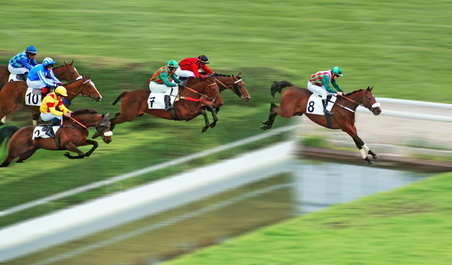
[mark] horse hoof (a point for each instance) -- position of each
(375, 156)
(67, 154)
(204, 129)
(266, 127)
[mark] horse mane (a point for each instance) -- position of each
(215, 74)
(84, 111)
(348, 94)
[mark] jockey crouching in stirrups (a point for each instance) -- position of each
(160, 82)
(319, 83)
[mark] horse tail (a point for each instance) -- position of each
(6, 133)
(119, 97)
(278, 86)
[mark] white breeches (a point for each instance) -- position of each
(18, 71)
(49, 116)
(184, 73)
(37, 83)
(320, 90)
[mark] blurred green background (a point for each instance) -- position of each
(401, 48)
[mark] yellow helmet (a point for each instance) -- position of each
(61, 90)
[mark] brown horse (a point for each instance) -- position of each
(13, 94)
(294, 101)
(70, 135)
(66, 72)
(199, 93)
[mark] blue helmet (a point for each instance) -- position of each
(48, 61)
(203, 59)
(31, 49)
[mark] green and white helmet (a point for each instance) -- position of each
(173, 63)
(337, 71)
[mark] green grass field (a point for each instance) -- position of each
(401, 48)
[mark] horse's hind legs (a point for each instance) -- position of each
(271, 118)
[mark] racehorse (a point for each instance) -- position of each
(70, 135)
(13, 94)
(198, 94)
(233, 83)
(66, 72)
(294, 102)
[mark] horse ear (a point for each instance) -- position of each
(65, 63)
(72, 62)
(239, 75)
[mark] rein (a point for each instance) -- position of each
(234, 85)
(76, 121)
(197, 92)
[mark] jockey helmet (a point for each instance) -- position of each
(337, 71)
(31, 49)
(203, 59)
(173, 64)
(61, 90)
(48, 61)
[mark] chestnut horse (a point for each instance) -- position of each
(199, 94)
(233, 83)
(294, 101)
(13, 94)
(70, 135)
(66, 72)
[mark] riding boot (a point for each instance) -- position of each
(325, 104)
(49, 127)
(167, 101)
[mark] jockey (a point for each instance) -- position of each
(49, 111)
(191, 67)
(42, 77)
(22, 63)
(160, 82)
(319, 83)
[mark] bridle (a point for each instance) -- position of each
(84, 91)
(199, 93)
(375, 105)
(235, 88)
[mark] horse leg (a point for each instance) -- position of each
(73, 148)
(24, 156)
(35, 117)
(206, 120)
(94, 144)
(363, 149)
(214, 116)
(271, 117)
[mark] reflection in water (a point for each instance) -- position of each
(301, 187)
(325, 184)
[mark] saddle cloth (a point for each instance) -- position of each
(315, 104)
(39, 131)
(157, 100)
(32, 99)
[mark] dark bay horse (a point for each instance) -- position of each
(294, 101)
(66, 72)
(13, 94)
(199, 94)
(73, 133)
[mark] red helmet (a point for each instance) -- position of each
(203, 59)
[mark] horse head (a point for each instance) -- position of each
(87, 118)
(83, 85)
(66, 72)
(370, 102)
(235, 84)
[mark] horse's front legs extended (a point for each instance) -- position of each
(206, 120)
(271, 118)
(73, 148)
(214, 116)
(363, 148)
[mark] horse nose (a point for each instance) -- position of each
(376, 111)
(246, 99)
